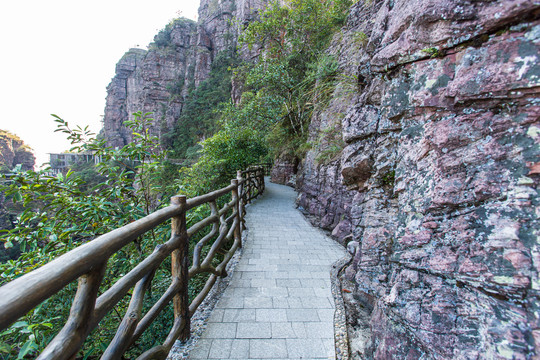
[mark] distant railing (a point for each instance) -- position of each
(88, 264)
(267, 168)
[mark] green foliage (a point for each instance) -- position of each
(200, 112)
(176, 87)
(320, 81)
(10, 253)
(62, 212)
(433, 52)
(163, 37)
(89, 174)
(33, 329)
(221, 156)
(389, 178)
(329, 145)
(294, 76)
(297, 26)
(360, 39)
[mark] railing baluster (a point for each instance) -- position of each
(153, 313)
(241, 199)
(236, 199)
(198, 248)
(68, 341)
(124, 334)
(180, 267)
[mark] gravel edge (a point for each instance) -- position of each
(341, 337)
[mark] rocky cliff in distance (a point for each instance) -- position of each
(158, 80)
(13, 152)
(435, 190)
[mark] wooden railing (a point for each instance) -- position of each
(267, 167)
(88, 262)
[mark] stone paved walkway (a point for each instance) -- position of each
(278, 304)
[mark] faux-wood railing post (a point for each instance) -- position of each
(180, 266)
(242, 200)
(236, 199)
(261, 177)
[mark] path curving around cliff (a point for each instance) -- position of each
(278, 304)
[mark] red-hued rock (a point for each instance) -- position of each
(284, 170)
(439, 177)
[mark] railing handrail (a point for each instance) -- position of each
(24, 293)
(267, 166)
(88, 262)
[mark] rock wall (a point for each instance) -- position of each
(435, 190)
(284, 170)
(157, 80)
(13, 151)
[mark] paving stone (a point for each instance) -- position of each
(302, 348)
(268, 349)
(320, 274)
(263, 283)
(319, 330)
(220, 331)
(295, 302)
(254, 330)
(230, 303)
(274, 291)
(239, 315)
(280, 302)
(316, 303)
(239, 349)
(277, 275)
(202, 349)
(259, 302)
(288, 283)
(302, 315)
(271, 315)
(282, 330)
(326, 314)
(217, 316)
(241, 292)
(315, 283)
(252, 274)
(299, 329)
(220, 349)
(303, 292)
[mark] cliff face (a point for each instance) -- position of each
(14, 151)
(435, 190)
(158, 80)
(150, 81)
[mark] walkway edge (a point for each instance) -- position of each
(341, 335)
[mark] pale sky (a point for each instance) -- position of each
(58, 56)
